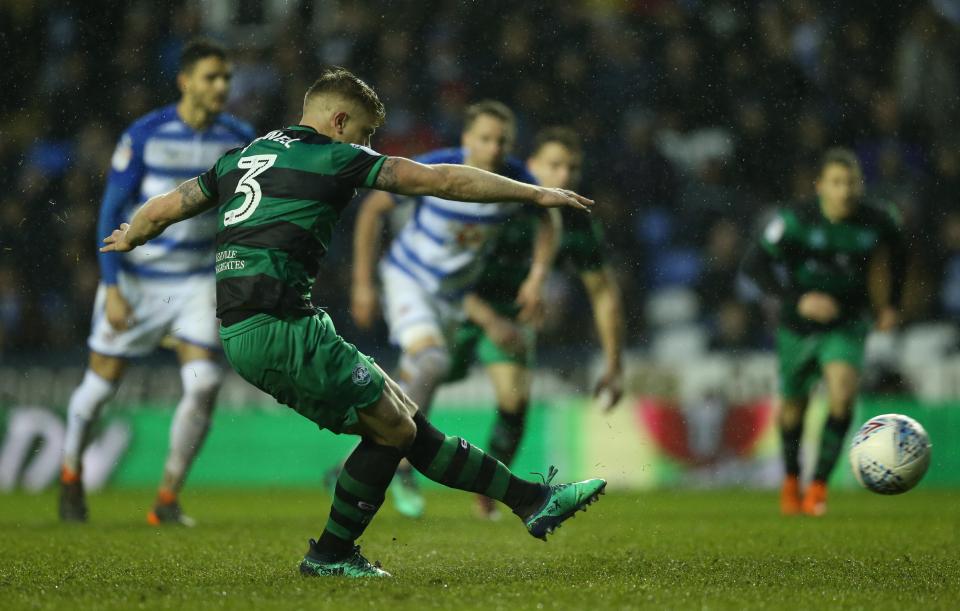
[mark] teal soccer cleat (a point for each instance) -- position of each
(354, 565)
(563, 502)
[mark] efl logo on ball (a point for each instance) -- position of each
(890, 454)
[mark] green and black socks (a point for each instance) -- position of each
(831, 445)
(450, 461)
(790, 439)
(455, 463)
(506, 434)
(360, 490)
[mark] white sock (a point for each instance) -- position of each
(191, 422)
(84, 409)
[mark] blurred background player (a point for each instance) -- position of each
(830, 259)
(493, 335)
(164, 289)
(436, 258)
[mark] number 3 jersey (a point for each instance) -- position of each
(442, 246)
(279, 199)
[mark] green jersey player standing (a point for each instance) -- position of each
(493, 335)
(819, 257)
(277, 201)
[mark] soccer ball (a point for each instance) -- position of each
(890, 454)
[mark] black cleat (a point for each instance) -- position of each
(169, 513)
(73, 504)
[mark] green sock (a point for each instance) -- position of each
(453, 462)
(831, 445)
(360, 490)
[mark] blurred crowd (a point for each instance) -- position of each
(697, 118)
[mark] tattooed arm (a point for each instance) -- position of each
(466, 184)
(157, 214)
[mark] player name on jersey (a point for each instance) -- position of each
(277, 135)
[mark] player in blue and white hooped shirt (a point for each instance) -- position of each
(435, 259)
(165, 289)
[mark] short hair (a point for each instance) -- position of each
(490, 108)
(197, 49)
(839, 155)
(564, 136)
(340, 81)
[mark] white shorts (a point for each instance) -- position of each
(184, 308)
(412, 313)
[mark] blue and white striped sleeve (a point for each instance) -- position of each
(123, 184)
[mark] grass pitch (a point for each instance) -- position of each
(711, 550)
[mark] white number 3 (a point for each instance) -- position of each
(255, 165)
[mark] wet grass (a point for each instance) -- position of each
(710, 550)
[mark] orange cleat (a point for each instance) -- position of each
(815, 500)
(167, 510)
(790, 496)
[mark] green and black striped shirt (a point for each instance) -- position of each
(278, 201)
(505, 269)
(801, 251)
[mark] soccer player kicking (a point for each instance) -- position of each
(826, 258)
(277, 201)
(436, 258)
(504, 345)
(166, 289)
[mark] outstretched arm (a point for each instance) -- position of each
(366, 249)
(467, 184)
(157, 214)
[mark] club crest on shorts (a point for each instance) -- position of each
(361, 375)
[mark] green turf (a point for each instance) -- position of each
(711, 550)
